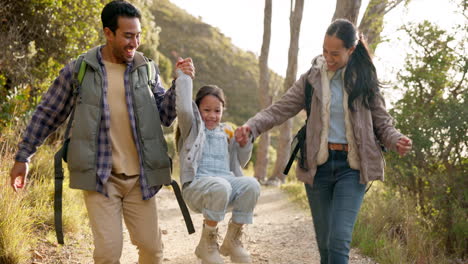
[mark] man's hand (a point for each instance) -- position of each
(404, 145)
(242, 135)
(186, 66)
(18, 175)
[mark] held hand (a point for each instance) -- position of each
(242, 135)
(18, 175)
(186, 66)
(404, 145)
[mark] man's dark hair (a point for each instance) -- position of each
(115, 9)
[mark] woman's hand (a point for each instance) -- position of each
(404, 145)
(242, 135)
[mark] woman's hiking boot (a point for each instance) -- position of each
(232, 245)
(208, 247)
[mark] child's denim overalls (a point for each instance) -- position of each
(215, 187)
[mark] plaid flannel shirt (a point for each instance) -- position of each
(57, 103)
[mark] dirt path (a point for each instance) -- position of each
(282, 233)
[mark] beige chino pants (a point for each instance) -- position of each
(141, 219)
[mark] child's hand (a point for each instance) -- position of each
(186, 66)
(242, 135)
(404, 145)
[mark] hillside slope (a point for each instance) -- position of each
(216, 59)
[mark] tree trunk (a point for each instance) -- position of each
(261, 164)
(372, 22)
(348, 9)
(284, 145)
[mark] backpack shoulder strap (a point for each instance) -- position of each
(152, 70)
(78, 75)
(81, 70)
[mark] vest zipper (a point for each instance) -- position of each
(137, 126)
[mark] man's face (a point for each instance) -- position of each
(126, 39)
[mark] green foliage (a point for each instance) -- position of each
(150, 32)
(165, 68)
(434, 114)
(400, 236)
(42, 36)
(271, 155)
(26, 217)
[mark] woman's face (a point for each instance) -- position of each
(211, 110)
(335, 53)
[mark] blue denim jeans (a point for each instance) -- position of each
(335, 199)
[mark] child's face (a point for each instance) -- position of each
(211, 110)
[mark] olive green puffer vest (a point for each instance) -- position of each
(83, 146)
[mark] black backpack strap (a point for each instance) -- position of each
(78, 75)
(153, 72)
(58, 194)
(299, 139)
(183, 207)
(297, 146)
(302, 147)
(309, 91)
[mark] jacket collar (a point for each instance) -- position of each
(318, 69)
(94, 58)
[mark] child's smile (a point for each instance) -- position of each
(211, 110)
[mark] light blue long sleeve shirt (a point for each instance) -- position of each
(337, 132)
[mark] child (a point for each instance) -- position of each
(210, 171)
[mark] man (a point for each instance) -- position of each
(117, 154)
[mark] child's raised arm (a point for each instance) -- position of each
(184, 91)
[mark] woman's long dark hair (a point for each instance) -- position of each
(360, 78)
(202, 92)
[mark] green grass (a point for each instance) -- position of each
(389, 228)
(26, 217)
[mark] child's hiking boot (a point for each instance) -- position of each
(232, 245)
(208, 247)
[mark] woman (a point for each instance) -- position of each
(348, 119)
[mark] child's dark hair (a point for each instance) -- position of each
(115, 9)
(210, 90)
(360, 78)
(206, 90)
